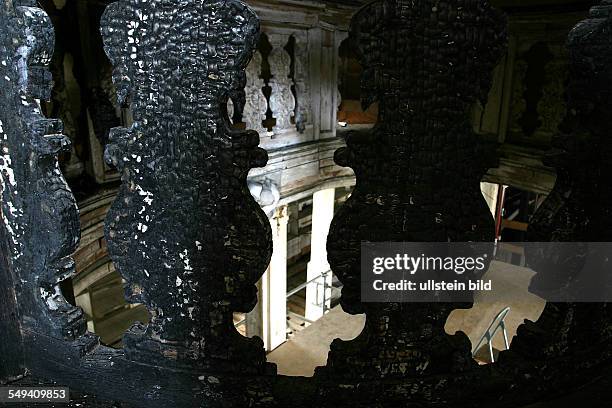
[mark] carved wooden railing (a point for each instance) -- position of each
(284, 105)
(418, 172)
(183, 230)
(191, 242)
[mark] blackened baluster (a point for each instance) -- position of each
(570, 337)
(282, 101)
(40, 219)
(184, 231)
(418, 172)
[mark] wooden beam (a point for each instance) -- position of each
(522, 168)
(515, 225)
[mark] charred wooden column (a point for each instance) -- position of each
(418, 172)
(40, 225)
(303, 114)
(569, 338)
(184, 232)
(256, 105)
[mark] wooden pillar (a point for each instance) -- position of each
(268, 320)
(319, 291)
(277, 280)
(39, 224)
(196, 264)
(577, 210)
(490, 193)
(314, 51)
(329, 83)
(282, 101)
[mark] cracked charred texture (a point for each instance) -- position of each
(184, 231)
(39, 213)
(418, 172)
(571, 337)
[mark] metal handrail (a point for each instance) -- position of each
(297, 289)
(298, 316)
(303, 285)
(497, 323)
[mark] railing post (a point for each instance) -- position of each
(256, 105)
(282, 101)
(40, 226)
(418, 172)
(184, 231)
(578, 335)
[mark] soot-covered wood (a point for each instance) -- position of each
(418, 171)
(571, 342)
(190, 241)
(39, 214)
(184, 231)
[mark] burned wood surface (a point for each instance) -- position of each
(190, 241)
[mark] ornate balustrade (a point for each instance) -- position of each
(301, 79)
(191, 242)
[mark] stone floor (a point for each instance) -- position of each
(309, 348)
(510, 283)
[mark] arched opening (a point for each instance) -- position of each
(300, 317)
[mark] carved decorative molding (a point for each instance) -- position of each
(282, 101)
(256, 104)
(184, 203)
(39, 212)
(303, 113)
(266, 194)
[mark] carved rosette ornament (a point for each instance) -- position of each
(184, 231)
(282, 101)
(418, 172)
(256, 105)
